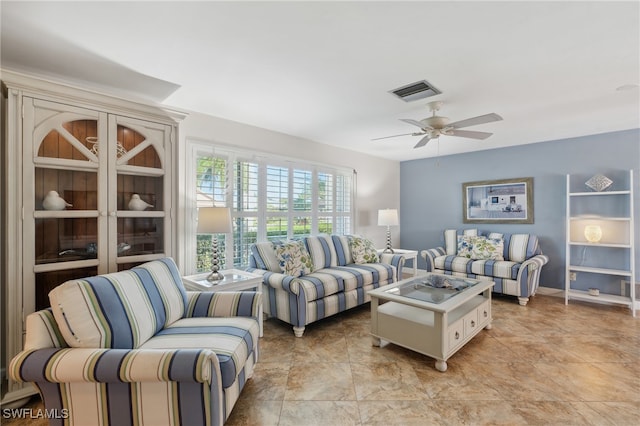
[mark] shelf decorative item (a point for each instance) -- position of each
(53, 201)
(593, 233)
(120, 150)
(599, 183)
(137, 203)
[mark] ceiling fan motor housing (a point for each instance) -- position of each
(435, 122)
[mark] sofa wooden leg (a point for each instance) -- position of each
(298, 331)
(523, 301)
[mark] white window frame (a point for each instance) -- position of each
(198, 148)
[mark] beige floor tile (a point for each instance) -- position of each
(315, 381)
(545, 364)
(320, 413)
(386, 381)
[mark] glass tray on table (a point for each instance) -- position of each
(434, 288)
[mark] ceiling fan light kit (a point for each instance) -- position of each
(435, 126)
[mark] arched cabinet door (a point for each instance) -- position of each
(96, 194)
(141, 201)
(65, 217)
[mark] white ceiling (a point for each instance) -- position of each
(322, 70)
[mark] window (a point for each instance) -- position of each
(270, 199)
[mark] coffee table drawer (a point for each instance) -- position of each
(456, 334)
(470, 323)
(484, 313)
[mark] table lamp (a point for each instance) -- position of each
(214, 220)
(388, 218)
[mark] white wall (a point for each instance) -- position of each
(378, 182)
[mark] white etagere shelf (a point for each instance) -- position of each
(617, 234)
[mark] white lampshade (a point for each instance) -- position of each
(388, 217)
(214, 220)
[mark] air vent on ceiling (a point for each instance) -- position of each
(419, 90)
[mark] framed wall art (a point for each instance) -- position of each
(498, 201)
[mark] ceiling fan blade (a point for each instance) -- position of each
(414, 122)
(469, 134)
(423, 141)
(481, 119)
(394, 136)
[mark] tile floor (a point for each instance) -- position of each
(544, 364)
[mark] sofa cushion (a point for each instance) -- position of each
(451, 239)
(120, 310)
(264, 254)
(328, 281)
(323, 253)
(231, 338)
(520, 247)
(496, 268)
(343, 251)
(489, 268)
(362, 250)
(294, 258)
(453, 263)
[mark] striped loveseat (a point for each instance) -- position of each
(512, 261)
(336, 273)
(135, 348)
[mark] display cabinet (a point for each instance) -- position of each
(89, 190)
(600, 241)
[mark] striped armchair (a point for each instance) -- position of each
(512, 261)
(135, 348)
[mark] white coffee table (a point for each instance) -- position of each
(234, 280)
(436, 322)
(408, 255)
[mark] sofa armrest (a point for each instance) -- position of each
(223, 304)
(69, 365)
(533, 266)
(396, 260)
(278, 281)
(430, 255)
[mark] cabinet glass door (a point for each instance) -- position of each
(140, 198)
(64, 231)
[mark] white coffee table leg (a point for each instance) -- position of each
(375, 341)
(441, 365)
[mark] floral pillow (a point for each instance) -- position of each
(465, 245)
(294, 258)
(480, 248)
(362, 250)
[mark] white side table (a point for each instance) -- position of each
(411, 255)
(234, 280)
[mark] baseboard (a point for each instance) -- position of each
(550, 291)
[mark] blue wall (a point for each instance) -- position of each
(431, 189)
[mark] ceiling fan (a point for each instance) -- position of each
(434, 126)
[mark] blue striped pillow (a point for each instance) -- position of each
(343, 252)
(265, 257)
(323, 253)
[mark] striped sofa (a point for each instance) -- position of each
(514, 265)
(334, 283)
(135, 348)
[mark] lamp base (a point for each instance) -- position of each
(215, 276)
(388, 249)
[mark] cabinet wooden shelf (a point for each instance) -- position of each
(95, 151)
(612, 257)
